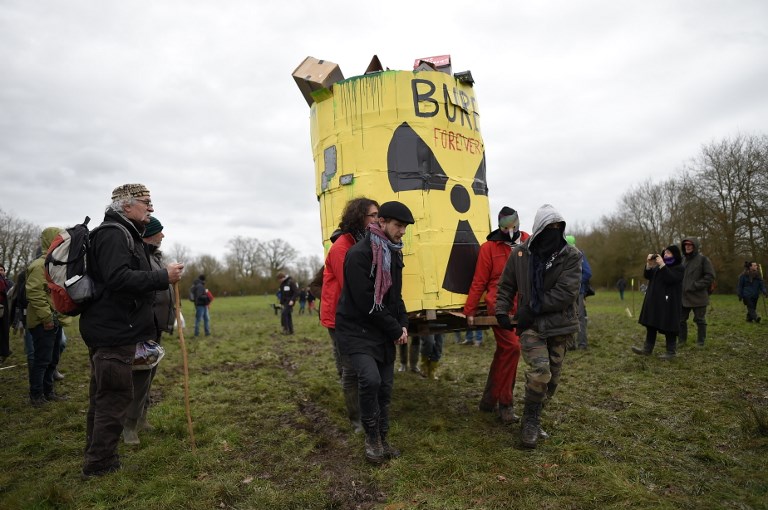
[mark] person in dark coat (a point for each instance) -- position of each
(371, 319)
(289, 294)
(662, 305)
(751, 285)
(120, 317)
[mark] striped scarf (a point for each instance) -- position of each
(381, 264)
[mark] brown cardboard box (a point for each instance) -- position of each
(440, 63)
(313, 74)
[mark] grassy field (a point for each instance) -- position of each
(626, 431)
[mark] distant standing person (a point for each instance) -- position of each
(199, 296)
(544, 273)
(751, 285)
(371, 320)
(699, 275)
(621, 284)
(662, 303)
(303, 300)
(5, 315)
(494, 253)
(163, 309)
(586, 275)
(289, 293)
(358, 213)
(310, 301)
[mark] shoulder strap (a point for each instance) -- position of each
(119, 226)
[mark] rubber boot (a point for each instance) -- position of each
(487, 402)
(390, 452)
(413, 356)
(531, 425)
(424, 367)
(671, 350)
(702, 334)
(353, 408)
(682, 337)
(645, 350)
(143, 423)
(433, 366)
(130, 434)
(374, 452)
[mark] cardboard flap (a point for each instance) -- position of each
(375, 66)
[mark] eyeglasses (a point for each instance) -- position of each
(148, 203)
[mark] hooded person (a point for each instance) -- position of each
(491, 259)
(662, 303)
(544, 273)
(44, 326)
(199, 296)
(699, 276)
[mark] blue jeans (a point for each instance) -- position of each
(47, 348)
(201, 312)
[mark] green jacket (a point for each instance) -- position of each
(699, 274)
(40, 307)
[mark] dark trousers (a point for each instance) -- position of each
(110, 394)
(47, 345)
(650, 340)
(286, 318)
(5, 333)
(375, 382)
(751, 304)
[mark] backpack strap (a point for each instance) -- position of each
(119, 226)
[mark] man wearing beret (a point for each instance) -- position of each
(371, 319)
(118, 318)
(162, 307)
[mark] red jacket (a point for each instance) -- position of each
(490, 263)
(333, 279)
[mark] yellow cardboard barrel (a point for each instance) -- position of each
(413, 137)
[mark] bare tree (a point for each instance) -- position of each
(244, 257)
(277, 255)
(19, 242)
(179, 253)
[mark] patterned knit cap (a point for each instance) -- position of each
(129, 191)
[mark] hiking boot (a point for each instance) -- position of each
(53, 397)
(640, 350)
(667, 356)
(507, 414)
(529, 431)
(37, 401)
(390, 452)
(130, 434)
(57, 376)
(144, 424)
(402, 367)
(374, 452)
(87, 474)
(424, 367)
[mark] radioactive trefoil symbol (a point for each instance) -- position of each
(412, 165)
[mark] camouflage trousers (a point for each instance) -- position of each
(544, 357)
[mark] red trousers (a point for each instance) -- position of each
(501, 377)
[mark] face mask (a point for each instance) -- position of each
(513, 234)
(669, 260)
(549, 240)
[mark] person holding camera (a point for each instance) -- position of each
(662, 305)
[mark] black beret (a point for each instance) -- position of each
(396, 211)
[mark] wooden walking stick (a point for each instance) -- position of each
(186, 366)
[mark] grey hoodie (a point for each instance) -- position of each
(558, 314)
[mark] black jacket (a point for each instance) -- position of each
(125, 284)
(662, 306)
(359, 328)
(163, 305)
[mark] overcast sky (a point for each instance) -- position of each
(579, 101)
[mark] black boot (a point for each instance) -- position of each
(374, 452)
(413, 356)
(531, 425)
(645, 350)
(390, 452)
(353, 408)
(702, 334)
